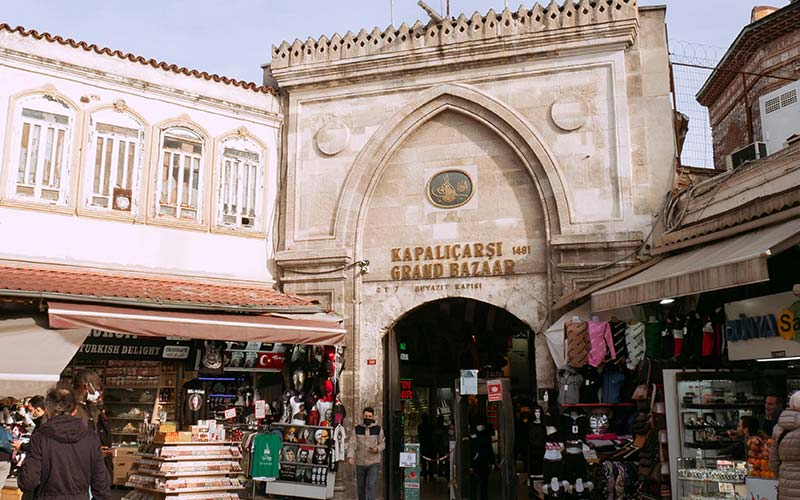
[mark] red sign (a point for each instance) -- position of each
(495, 390)
(273, 360)
(406, 388)
(372, 362)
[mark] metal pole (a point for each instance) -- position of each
(391, 12)
(448, 8)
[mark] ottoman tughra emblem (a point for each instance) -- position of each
(450, 189)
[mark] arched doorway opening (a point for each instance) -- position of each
(426, 353)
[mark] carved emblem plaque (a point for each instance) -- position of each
(450, 188)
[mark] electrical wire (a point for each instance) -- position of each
(363, 263)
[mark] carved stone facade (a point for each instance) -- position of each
(560, 119)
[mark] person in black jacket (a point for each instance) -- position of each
(482, 460)
(65, 459)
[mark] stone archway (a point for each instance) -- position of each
(510, 207)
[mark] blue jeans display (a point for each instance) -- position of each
(367, 481)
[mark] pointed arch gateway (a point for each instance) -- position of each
(522, 174)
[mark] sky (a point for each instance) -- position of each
(234, 37)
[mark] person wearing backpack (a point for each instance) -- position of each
(784, 454)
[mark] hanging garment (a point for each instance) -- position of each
(601, 342)
(635, 344)
(613, 383)
(339, 444)
(574, 426)
(576, 335)
(591, 385)
(569, 385)
(709, 338)
(678, 334)
(693, 337)
(652, 334)
(266, 456)
(618, 334)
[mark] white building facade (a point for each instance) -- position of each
(112, 161)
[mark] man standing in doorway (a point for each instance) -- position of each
(772, 410)
(365, 452)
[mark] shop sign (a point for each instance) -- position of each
(469, 382)
(406, 388)
(106, 345)
(271, 360)
(230, 413)
(789, 322)
(458, 260)
(495, 390)
(411, 474)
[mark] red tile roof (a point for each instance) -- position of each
(134, 58)
(119, 287)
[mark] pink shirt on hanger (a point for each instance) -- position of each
(600, 338)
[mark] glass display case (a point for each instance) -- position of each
(710, 479)
(710, 409)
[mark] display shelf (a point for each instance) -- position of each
(709, 445)
(191, 458)
(304, 445)
(166, 475)
(304, 464)
(589, 405)
(708, 480)
(190, 443)
(301, 425)
(721, 406)
(186, 490)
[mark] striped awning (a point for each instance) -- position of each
(740, 260)
(204, 326)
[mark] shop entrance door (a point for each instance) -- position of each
(500, 414)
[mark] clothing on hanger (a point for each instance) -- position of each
(652, 334)
(618, 329)
(601, 342)
(635, 344)
(576, 334)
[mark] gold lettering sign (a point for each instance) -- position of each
(458, 260)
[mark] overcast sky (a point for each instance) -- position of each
(234, 37)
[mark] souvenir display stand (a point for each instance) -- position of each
(187, 471)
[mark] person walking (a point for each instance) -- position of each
(441, 445)
(482, 460)
(64, 460)
(364, 452)
(784, 454)
(426, 447)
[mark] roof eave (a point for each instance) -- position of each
(196, 306)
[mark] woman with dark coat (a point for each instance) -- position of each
(65, 459)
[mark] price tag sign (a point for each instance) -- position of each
(230, 413)
(725, 487)
(408, 459)
(260, 409)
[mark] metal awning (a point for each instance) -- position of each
(33, 356)
(733, 262)
(226, 327)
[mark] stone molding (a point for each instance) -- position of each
(455, 40)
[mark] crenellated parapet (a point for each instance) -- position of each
(460, 30)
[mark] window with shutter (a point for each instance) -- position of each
(241, 185)
(181, 177)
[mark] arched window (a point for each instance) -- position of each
(241, 185)
(41, 150)
(181, 180)
(114, 161)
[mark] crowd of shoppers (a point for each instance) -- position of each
(65, 457)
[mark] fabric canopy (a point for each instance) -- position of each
(226, 327)
(33, 356)
(740, 260)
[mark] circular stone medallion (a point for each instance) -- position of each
(450, 189)
(332, 137)
(570, 112)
